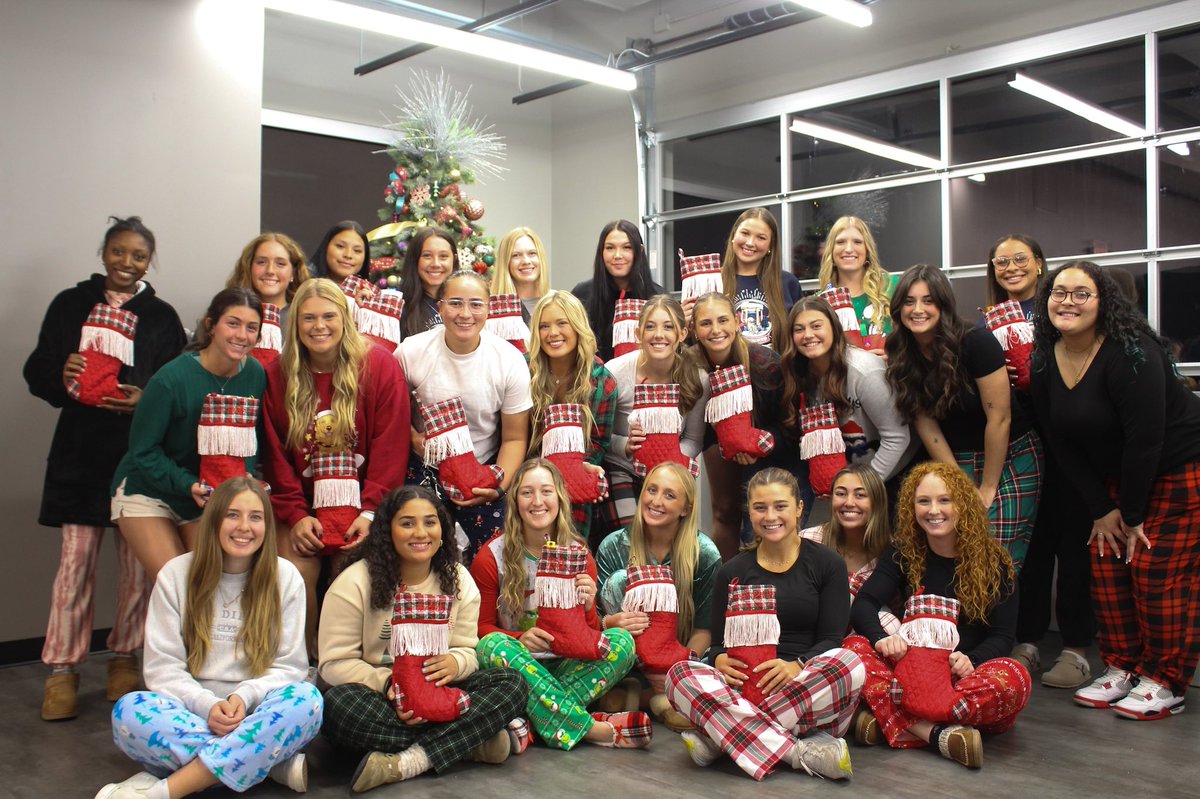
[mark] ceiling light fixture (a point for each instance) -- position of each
(368, 19)
(873, 146)
(1076, 105)
(848, 11)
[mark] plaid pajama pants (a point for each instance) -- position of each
(69, 632)
(362, 719)
(821, 698)
(995, 693)
(161, 734)
(1014, 511)
(617, 511)
(1149, 610)
(561, 690)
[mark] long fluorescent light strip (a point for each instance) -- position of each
(846, 11)
(368, 19)
(1076, 105)
(872, 146)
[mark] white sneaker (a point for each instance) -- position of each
(132, 788)
(292, 773)
(1111, 686)
(702, 749)
(822, 755)
(1149, 700)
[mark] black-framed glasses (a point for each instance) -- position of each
(1078, 296)
(1018, 260)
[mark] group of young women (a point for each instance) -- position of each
(338, 435)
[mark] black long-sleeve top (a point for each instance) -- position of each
(979, 640)
(1124, 421)
(810, 600)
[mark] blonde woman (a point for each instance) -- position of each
(505, 570)
(563, 367)
(523, 270)
(225, 700)
(273, 266)
(360, 393)
(664, 532)
(659, 359)
(851, 261)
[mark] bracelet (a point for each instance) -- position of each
(604, 622)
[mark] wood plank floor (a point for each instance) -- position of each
(1056, 750)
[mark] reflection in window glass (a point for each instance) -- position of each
(993, 120)
(1179, 79)
(907, 119)
(970, 294)
(1092, 205)
(1179, 307)
(697, 236)
(1178, 196)
(904, 221)
(720, 166)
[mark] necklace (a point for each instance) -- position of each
(217, 378)
(228, 603)
(780, 563)
(1088, 353)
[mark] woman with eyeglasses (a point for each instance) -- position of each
(1014, 272)
(949, 381)
(461, 359)
(1128, 436)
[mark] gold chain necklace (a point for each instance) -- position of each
(1086, 359)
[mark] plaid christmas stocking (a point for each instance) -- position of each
(337, 499)
(225, 437)
(923, 681)
(625, 319)
(843, 307)
(822, 446)
(656, 409)
(270, 336)
(420, 630)
(106, 342)
(564, 446)
(449, 449)
(651, 590)
(700, 274)
(729, 410)
(560, 612)
(1007, 322)
(751, 631)
(378, 318)
(504, 320)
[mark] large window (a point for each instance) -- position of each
(1004, 161)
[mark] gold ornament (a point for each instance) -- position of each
(473, 209)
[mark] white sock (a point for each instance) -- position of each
(701, 748)
(413, 761)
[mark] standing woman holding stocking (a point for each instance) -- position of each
(620, 271)
(88, 443)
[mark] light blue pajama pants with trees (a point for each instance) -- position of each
(160, 733)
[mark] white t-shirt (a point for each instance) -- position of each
(492, 380)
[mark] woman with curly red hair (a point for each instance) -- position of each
(942, 547)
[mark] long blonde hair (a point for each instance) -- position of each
(300, 396)
(876, 281)
(261, 604)
(684, 371)
(240, 277)
(981, 559)
(513, 580)
(541, 382)
(685, 547)
(770, 275)
(502, 281)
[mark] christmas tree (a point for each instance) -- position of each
(438, 148)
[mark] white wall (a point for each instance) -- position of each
(111, 107)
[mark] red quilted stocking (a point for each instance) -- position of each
(843, 307)
(930, 628)
(106, 343)
(729, 412)
(449, 449)
(421, 630)
(751, 631)
(560, 612)
(378, 318)
(651, 590)
(625, 319)
(504, 319)
(337, 499)
(1015, 334)
(225, 437)
(656, 409)
(270, 336)
(822, 446)
(563, 445)
(700, 274)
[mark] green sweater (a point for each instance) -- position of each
(162, 461)
(612, 558)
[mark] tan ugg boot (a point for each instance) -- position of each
(60, 697)
(124, 676)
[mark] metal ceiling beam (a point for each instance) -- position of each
(489, 21)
